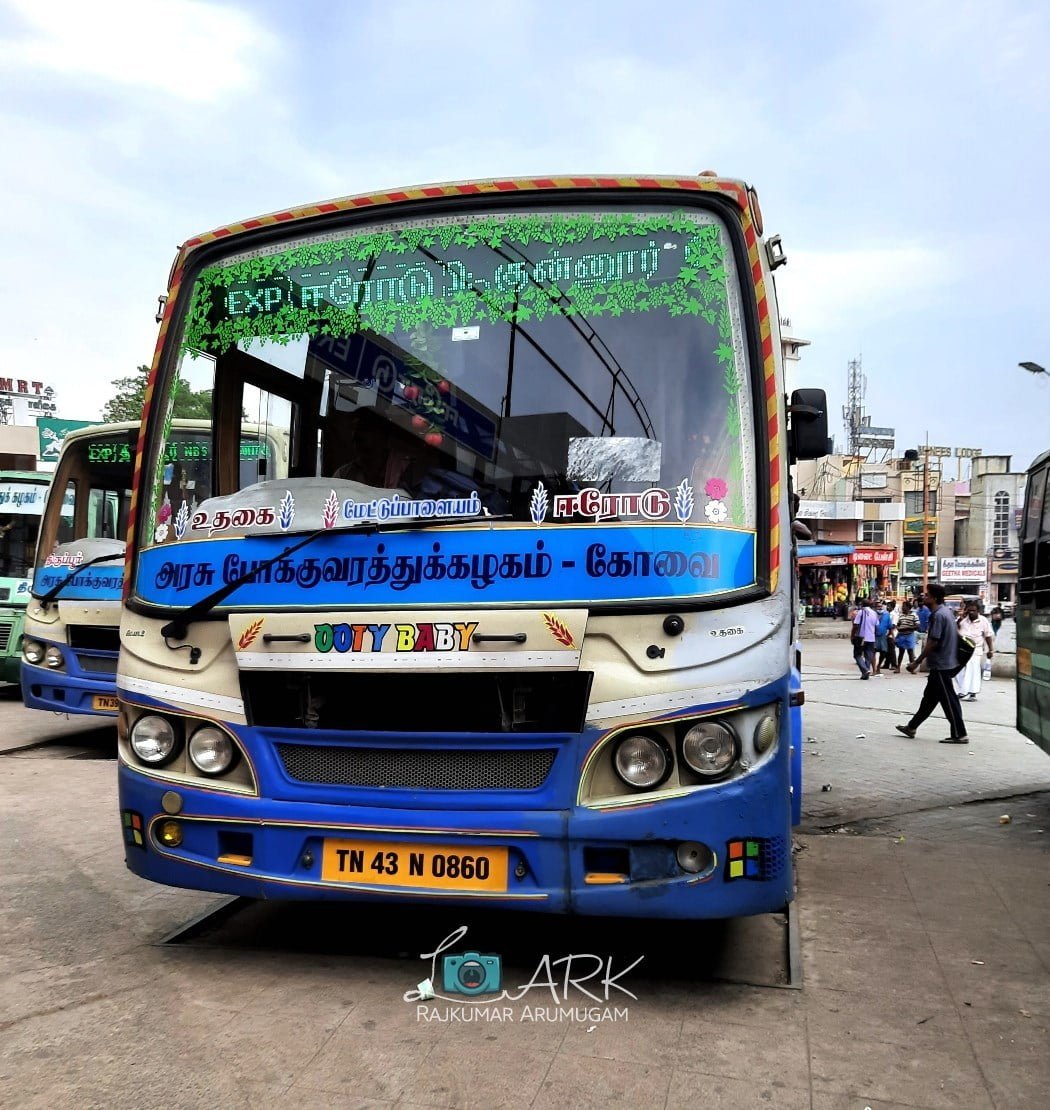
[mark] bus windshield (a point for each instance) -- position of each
(21, 503)
(552, 368)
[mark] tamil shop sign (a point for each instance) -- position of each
(964, 570)
(873, 556)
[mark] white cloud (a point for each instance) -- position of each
(186, 49)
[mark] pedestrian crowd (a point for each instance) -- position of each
(954, 651)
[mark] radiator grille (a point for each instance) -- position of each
(94, 637)
(417, 769)
(5, 636)
(97, 664)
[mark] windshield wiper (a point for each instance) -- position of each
(46, 599)
(177, 628)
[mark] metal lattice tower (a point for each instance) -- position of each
(853, 410)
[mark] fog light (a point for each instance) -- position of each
(765, 734)
(53, 658)
(211, 750)
(169, 833)
(709, 748)
(642, 760)
(152, 739)
(694, 857)
(33, 650)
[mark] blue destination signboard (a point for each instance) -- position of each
(99, 583)
(496, 566)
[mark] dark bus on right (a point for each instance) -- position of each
(1033, 608)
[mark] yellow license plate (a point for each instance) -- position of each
(433, 867)
(104, 703)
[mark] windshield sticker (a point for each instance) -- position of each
(400, 508)
(716, 510)
(580, 564)
(651, 504)
(590, 264)
(613, 458)
(64, 559)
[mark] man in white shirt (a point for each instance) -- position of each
(977, 627)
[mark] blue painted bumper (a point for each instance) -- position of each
(65, 692)
(551, 849)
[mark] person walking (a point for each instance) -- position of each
(922, 611)
(996, 619)
(940, 652)
(864, 625)
(973, 624)
(907, 631)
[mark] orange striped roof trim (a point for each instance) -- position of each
(734, 190)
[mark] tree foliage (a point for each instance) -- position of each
(129, 399)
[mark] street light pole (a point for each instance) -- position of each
(1033, 368)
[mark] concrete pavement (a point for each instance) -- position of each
(926, 964)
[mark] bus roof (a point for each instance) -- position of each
(43, 476)
(123, 426)
(1040, 460)
(735, 190)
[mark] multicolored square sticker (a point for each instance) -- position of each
(132, 824)
(745, 859)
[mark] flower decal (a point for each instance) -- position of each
(683, 500)
(161, 534)
(716, 511)
(716, 488)
(538, 504)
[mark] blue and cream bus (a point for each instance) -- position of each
(512, 619)
(71, 641)
(22, 495)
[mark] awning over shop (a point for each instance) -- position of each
(824, 554)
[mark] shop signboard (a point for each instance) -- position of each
(913, 525)
(874, 557)
(1003, 568)
(964, 569)
(912, 566)
(873, 481)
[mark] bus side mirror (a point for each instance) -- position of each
(808, 425)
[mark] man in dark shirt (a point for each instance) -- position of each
(941, 655)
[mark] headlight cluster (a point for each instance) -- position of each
(156, 741)
(33, 651)
(704, 751)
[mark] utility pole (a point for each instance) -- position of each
(925, 519)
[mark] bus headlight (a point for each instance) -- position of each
(152, 739)
(642, 760)
(211, 751)
(33, 650)
(53, 658)
(709, 748)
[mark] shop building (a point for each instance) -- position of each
(987, 524)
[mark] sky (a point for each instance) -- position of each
(900, 150)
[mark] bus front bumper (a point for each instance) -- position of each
(601, 862)
(60, 692)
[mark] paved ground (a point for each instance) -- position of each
(925, 954)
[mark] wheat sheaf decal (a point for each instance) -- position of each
(558, 630)
(248, 636)
(683, 500)
(538, 504)
(330, 512)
